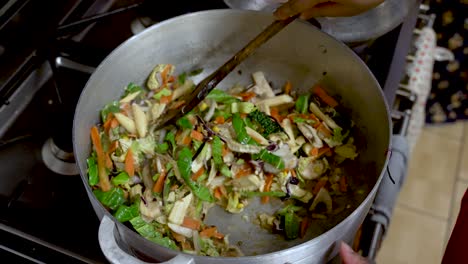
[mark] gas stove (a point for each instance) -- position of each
(46, 56)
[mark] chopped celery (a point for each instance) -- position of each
(221, 97)
(132, 88)
(302, 104)
(242, 107)
(217, 149)
(171, 138)
(270, 158)
(226, 171)
(93, 177)
(338, 136)
(163, 92)
(291, 225)
(184, 122)
(162, 148)
(239, 127)
(113, 107)
(120, 179)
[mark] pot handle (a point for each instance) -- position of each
(115, 254)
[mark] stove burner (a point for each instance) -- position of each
(58, 160)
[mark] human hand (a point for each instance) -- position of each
(324, 8)
(349, 256)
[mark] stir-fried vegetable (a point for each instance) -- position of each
(237, 145)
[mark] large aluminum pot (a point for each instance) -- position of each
(301, 54)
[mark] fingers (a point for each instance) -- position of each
(330, 9)
(349, 256)
(294, 7)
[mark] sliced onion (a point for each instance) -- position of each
(210, 112)
(186, 232)
(136, 179)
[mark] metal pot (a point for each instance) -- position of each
(301, 54)
(355, 29)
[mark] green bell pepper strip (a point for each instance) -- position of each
(302, 104)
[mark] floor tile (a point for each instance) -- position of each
(464, 164)
(460, 189)
(431, 175)
(413, 238)
(450, 130)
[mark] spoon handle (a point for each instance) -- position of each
(210, 82)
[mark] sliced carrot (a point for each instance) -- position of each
(274, 112)
(314, 151)
(217, 193)
(323, 151)
(199, 173)
(218, 235)
(208, 232)
(323, 95)
(304, 226)
(114, 145)
(287, 87)
(191, 223)
(165, 99)
(104, 182)
(268, 182)
(197, 135)
(108, 161)
(324, 130)
(178, 237)
(219, 120)
(186, 140)
(225, 151)
(223, 190)
(164, 74)
(159, 184)
(247, 96)
(107, 124)
(114, 123)
(129, 163)
(343, 184)
(243, 115)
(171, 79)
(320, 184)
